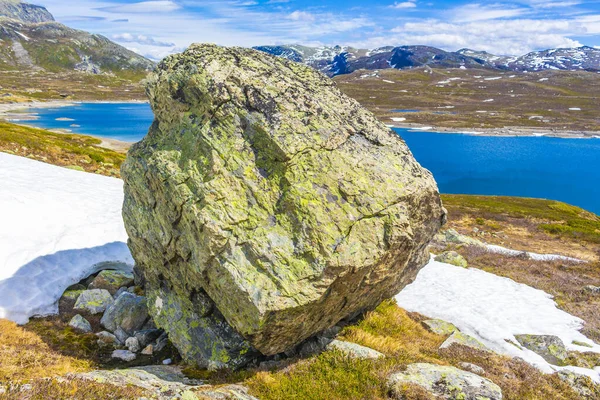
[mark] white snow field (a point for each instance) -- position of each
(493, 309)
(58, 227)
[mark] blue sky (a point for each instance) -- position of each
(156, 28)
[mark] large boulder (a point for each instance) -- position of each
(265, 206)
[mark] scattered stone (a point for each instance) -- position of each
(80, 323)
(452, 236)
(94, 301)
(124, 355)
(354, 350)
(168, 361)
(121, 335)
(582, 344)
(440, 327)
(164, 382)
(129, 312)
(107, 339)
(148, 350)
(148, 336)
(209, 218)
(132, 344)
(476, 369)
(595, 290)
(581, 384)
(119, 292)
(112, 280)
(452, 258)
(230, 392)
(464, 340)
(550, 348)
(445, 382)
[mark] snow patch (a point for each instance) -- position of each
(493, 309)
(58, 226)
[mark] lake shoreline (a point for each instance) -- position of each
(512, 131)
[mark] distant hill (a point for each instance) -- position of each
(338, 60)
(32, 41)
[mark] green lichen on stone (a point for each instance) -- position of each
(550, 348)
(452, 258)
(440, 327)
(282, 201)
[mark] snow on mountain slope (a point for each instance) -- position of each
(58, 227)
(493, 309)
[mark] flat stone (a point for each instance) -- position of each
(129, 312)
(80, 323)
(462, 339)
(354, 350)
(124, 355)
(94, 301)
(440, 327)
(112, 280)
(445, 382)
(550, 348)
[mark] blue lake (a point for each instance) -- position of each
(551, 168)
(128, 122)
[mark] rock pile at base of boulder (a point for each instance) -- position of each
(264, 206)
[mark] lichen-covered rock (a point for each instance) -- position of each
(129, 312)
(452, 236)
(94, 301)
(354, 350)
(464, 340)
(445, 383)
(264, 205)
(452, 258)
(112, 280)
(551, 348)
(440, 327)
(80, 323)
(581, 384)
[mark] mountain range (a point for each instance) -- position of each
(338, 60)
(31, 40)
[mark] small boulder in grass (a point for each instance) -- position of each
(80, 323)
(452, 258)
(94, 301)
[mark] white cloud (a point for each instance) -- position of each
(142, 39)
(404, 4)
(481, 12)
(154, 6)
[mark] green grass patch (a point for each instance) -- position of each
(74, 151)
(555, 217)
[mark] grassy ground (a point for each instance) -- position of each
(68, 150)
(22, 86)
(538, 99)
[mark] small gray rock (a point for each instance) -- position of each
(354, 350)
(440, 327)
(132, 344)
(462, 339)
(452, 258)
(80, 323)
(444, 382)
(168, 361)
(121, 335)
(594, 290)
(128, 312)
(550, 348)
(107, 339)
(124, 355)
(94, 301)
(476, 369)
(112, 280)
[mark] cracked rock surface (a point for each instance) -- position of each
(264, 205)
